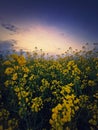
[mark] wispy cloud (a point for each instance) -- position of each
(7, 45)
(10, 27)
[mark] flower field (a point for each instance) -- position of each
(47, 93)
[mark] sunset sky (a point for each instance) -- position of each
(50, 25)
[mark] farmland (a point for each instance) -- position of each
(39, 93)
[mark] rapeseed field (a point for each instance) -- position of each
(47, 93)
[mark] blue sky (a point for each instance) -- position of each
(48, 24)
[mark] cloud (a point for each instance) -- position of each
(10, 27)
(7, 45)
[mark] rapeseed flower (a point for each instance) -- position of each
(91, 83)
(14, 76)
(7, 62)
(37, 104)
(21, 60)
(9, 70)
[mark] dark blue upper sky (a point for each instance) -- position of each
(78, 17)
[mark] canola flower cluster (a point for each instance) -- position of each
(39, 93)
(7, 123)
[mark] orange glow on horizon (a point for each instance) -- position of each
(49, 39)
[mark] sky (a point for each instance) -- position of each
(50, 25)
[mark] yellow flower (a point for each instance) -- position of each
(68, 97)
(67, 89)
(14, 56)
(14, 77)
(7, 63)
(76, 101)
(31, 77)
(24, 93)
(17, 89)
(19, 95)
(21, 60)
(76, 69)
(16, 67)
(25, 75)
(37, 104)
(27, 100)
(7, 82)
(76, 108)
(9, 70)
(88, 69)
(4, 114)
(93, 122)
(54, 116)
(91, 83)
(71, 63)
(59, 106)
(51, 121)
(96, 95)
(25, 69)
